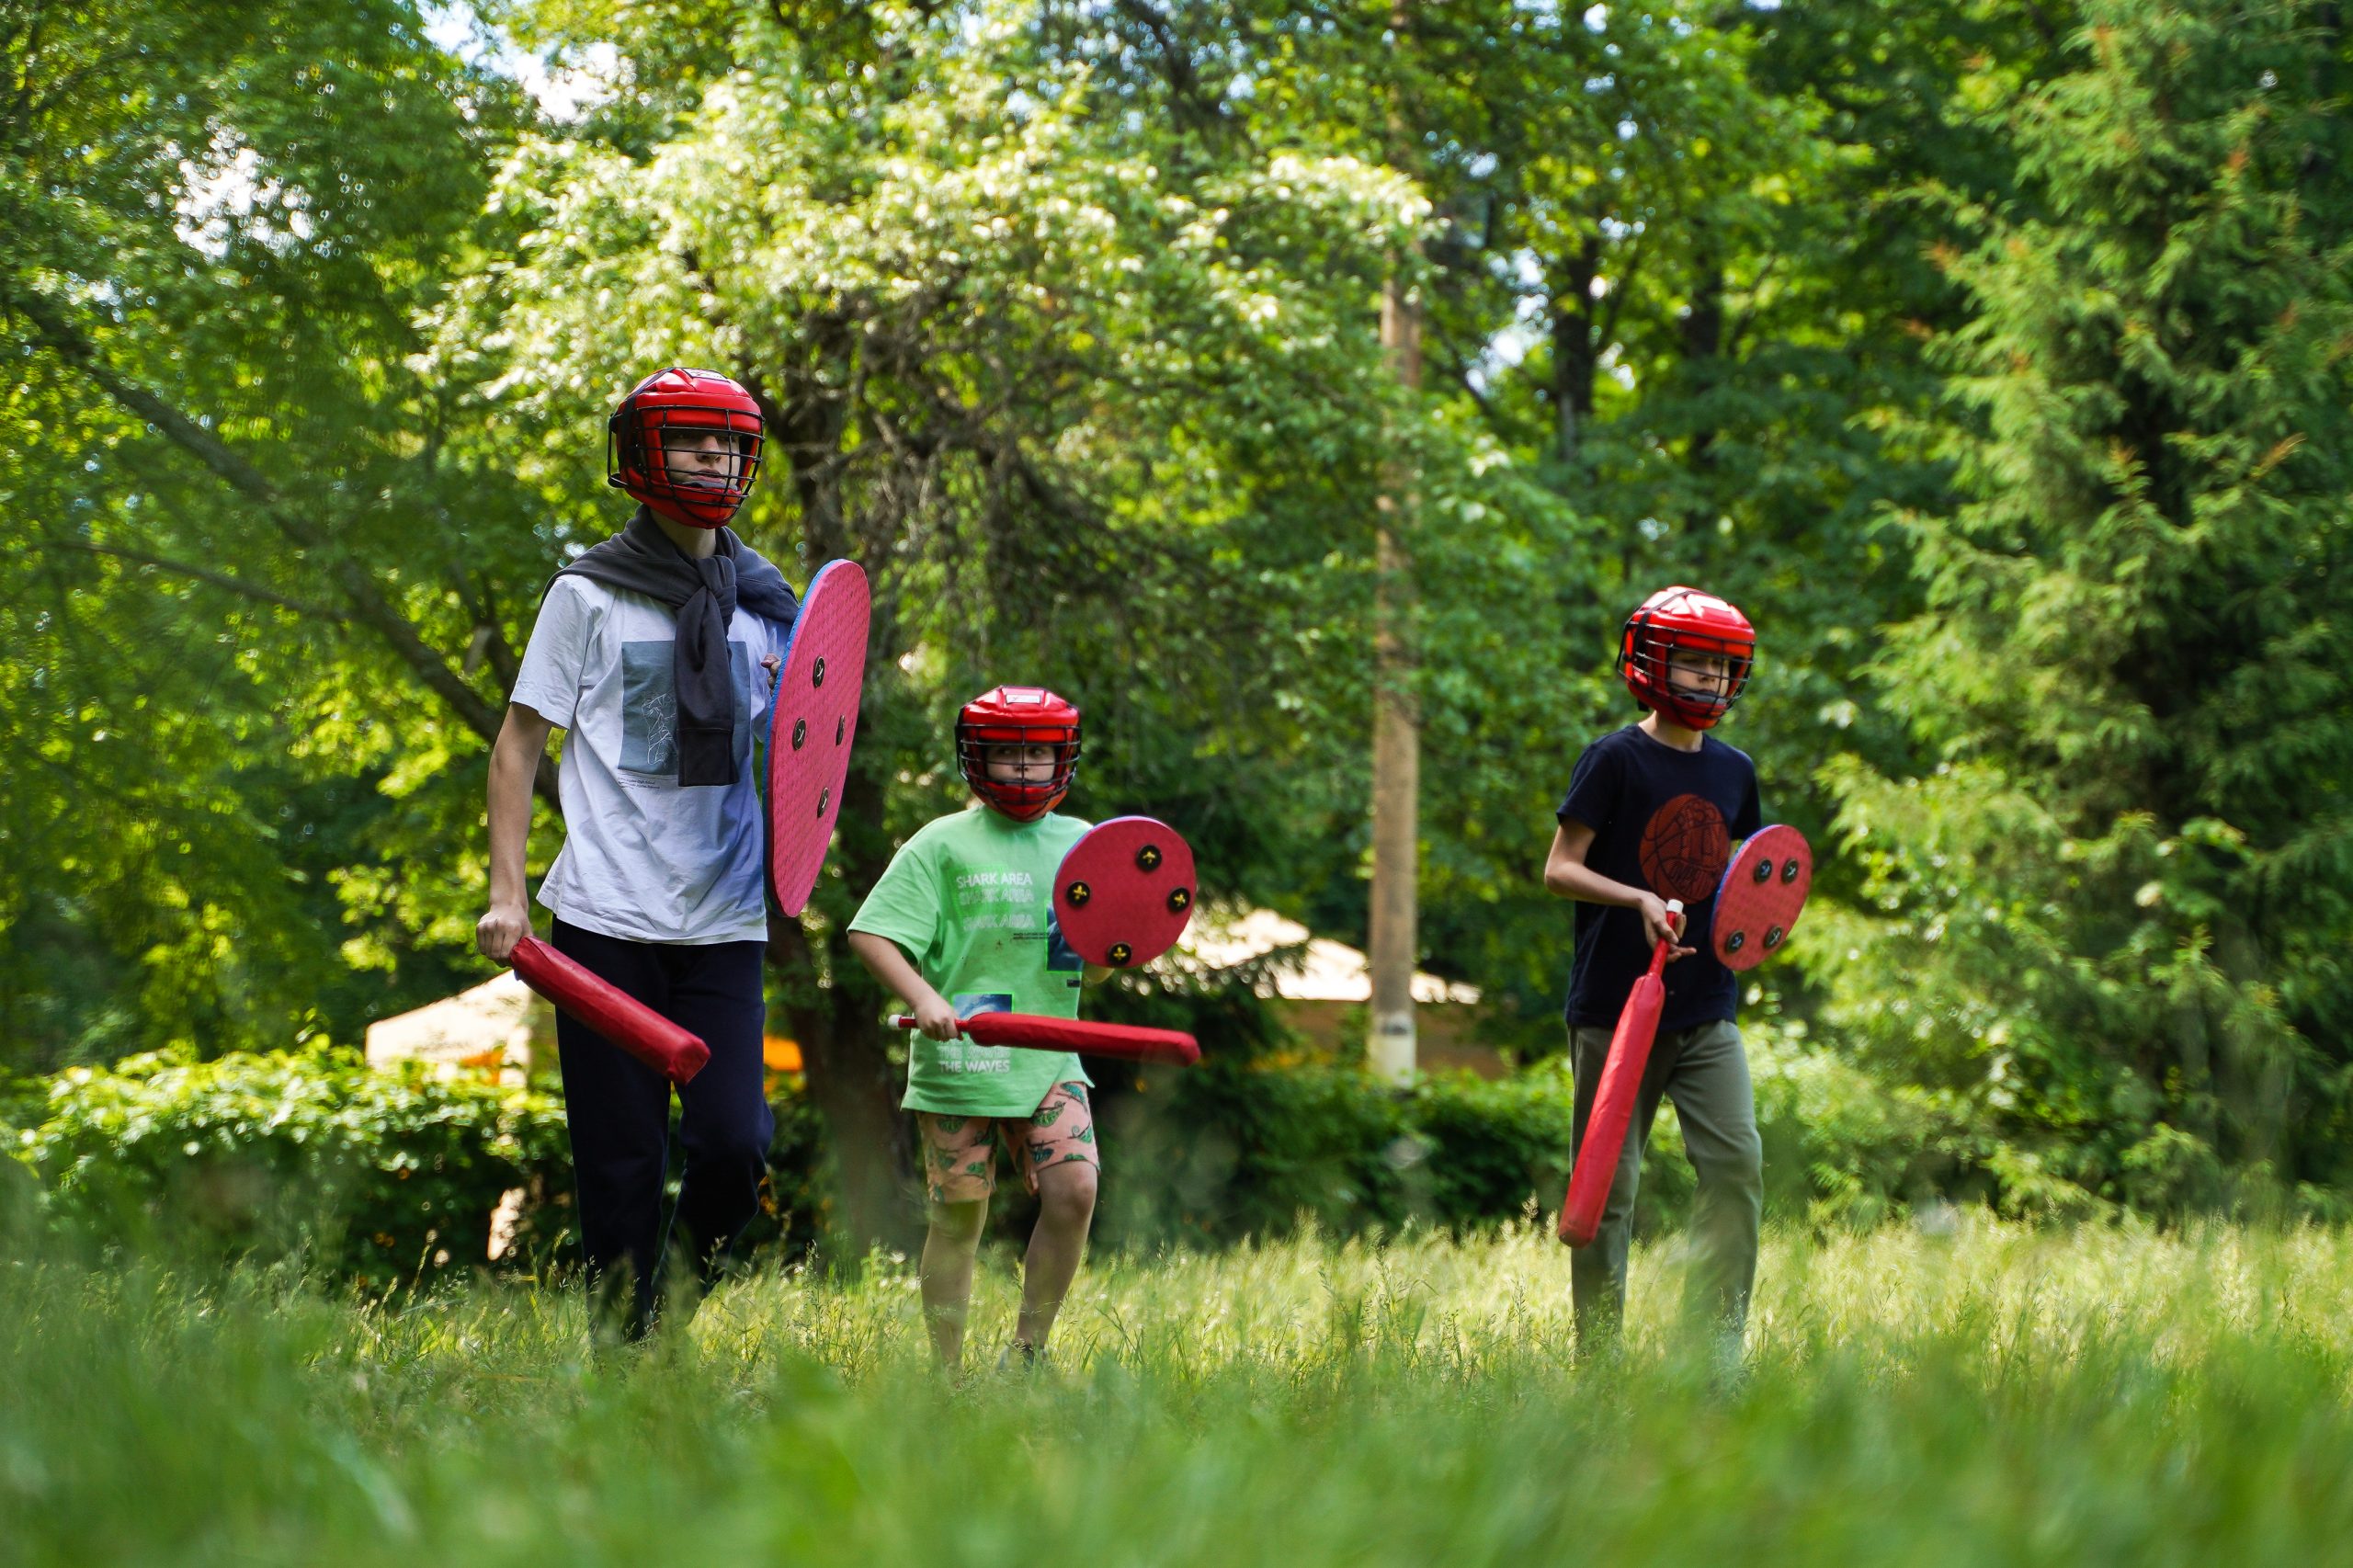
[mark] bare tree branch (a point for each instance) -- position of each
(1176, 62)
(203, 575)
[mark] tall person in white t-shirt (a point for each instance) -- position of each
(655, 652)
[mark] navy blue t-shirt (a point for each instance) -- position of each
(1665, 820)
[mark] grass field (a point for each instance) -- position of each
(1992, 1396)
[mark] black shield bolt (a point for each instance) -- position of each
(1180, 900)
(1773, 938)
(841, 728)
(800, 732)
(1122, 953)
(1736, 941)
(1148, 858)
(1789, 869)
(1765, 870)
(825, 796)
(1078, 894)
(817, 672)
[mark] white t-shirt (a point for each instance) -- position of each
(643, 858)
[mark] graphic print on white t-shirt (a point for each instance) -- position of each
(649, 707)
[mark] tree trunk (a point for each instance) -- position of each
(1390, 946)
(1575, 354)
(1703, 347)
(851, 1079)
(834, 1009)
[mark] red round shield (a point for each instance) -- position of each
(1761, 896)
(815, 722)
(1125, 891)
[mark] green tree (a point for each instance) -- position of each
(2120, 898)
(1086, 417)
(1686, 294)
(248, 607)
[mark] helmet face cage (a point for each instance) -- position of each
(1671, 629)
(656, 423)
(1025, 801)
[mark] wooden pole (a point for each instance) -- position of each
(1391, 947)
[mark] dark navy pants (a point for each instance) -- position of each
(619, 1113)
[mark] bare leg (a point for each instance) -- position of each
(948, 1252)
(1065, 1210)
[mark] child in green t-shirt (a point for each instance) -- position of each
(962, 923)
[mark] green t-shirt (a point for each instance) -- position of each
(970, 901)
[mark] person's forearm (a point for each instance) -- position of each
(890, 967)
(1573, 878)
(511, 773)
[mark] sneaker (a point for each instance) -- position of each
(1020, 1357)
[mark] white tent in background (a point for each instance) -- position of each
(1316, 982)
(501, 1027)
(1320, 969)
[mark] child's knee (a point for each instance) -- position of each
(959, 1224)
(1066, 1194)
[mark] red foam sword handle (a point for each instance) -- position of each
(1032, 1031)
(1595, 1169)
(610, 1011)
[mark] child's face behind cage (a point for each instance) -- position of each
(703, 459)
(1701, 676)
(1010, 763)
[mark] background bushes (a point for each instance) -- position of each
(360, 1175)
(380, 1178)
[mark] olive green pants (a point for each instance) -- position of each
(1704, 1070)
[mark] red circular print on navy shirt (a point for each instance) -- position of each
(1684, 848)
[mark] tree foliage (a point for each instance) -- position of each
(2010, 328)
(2121, 892)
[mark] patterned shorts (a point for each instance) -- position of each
(959, 1151)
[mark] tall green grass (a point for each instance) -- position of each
(1990, 1396)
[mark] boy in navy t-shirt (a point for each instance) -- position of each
(1651, 815)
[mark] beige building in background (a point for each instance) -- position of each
(503, 1028)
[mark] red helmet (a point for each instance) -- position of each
(640, 445)
(1015, 716)
(1686, 621)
